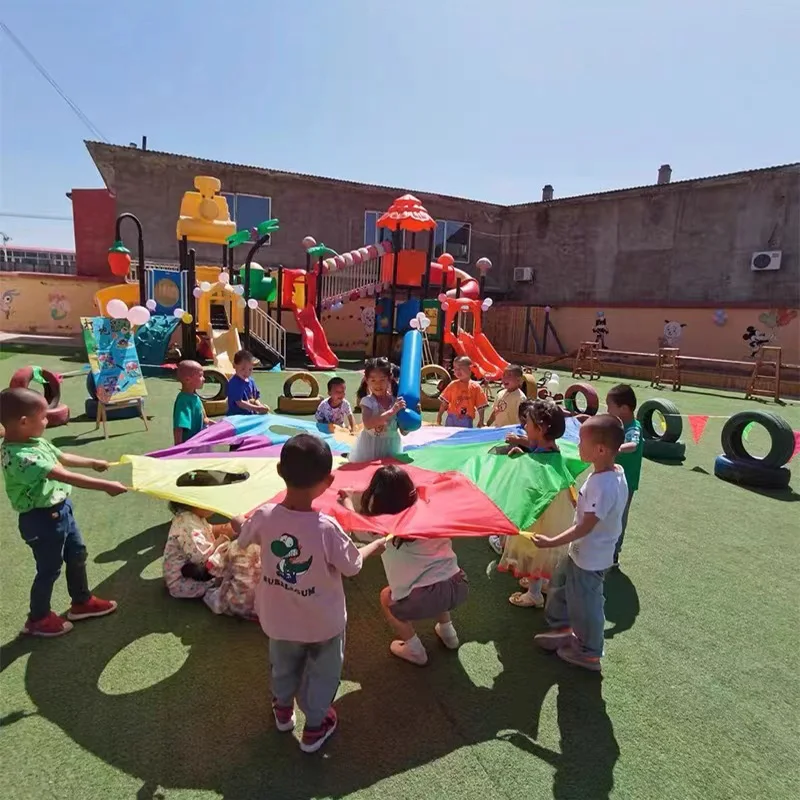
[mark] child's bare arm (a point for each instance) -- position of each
(371, 420)
(577, 531)
(252, 405)
(628, 447)
(351, 423)
(481, 414)
(373, 548)
(177, 435)
(71, 460)
(86, 482)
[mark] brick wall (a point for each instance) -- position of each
(675, 244)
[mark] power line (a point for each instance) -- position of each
(33, 216)
(46, 75)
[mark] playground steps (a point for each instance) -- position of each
(219, 317)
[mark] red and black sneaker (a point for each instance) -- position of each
(314, 738)
(93, 607)
(284, 717)
(49, 626)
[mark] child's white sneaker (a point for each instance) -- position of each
(447, 633)
(497, 543)
(413, 651)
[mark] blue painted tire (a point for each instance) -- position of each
(751, 473)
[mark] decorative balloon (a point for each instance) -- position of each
(187, 318)
(151, 305)
(224, 278)
(240, 302)
(483, 265)
(252, 303)
(116, 309)
(785, 316)
(238, 289)
(178, 312)
(486, 304)
(308, 242)
(138, 315)
(205, 286)
(445, 305)
(197, 292)
(414, 323)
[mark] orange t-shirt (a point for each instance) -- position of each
(463, 399)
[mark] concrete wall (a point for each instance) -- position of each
(30, 303)
(673, 245)
(151, 185)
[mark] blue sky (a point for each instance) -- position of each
(464, 97)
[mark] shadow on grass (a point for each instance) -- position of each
(784, 495)
(208, 725)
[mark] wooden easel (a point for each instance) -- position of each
(668, 368)
(587, 360)
(102, 418)
(766, 377)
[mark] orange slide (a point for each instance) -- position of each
(315, 342)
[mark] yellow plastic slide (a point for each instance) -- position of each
(225, 345)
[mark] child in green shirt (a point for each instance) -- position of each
(188, 415)
(38, 487)
(621, 402)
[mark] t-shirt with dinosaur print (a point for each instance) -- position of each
(304, 555)
(26, 466)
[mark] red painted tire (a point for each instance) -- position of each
(589, 394)
(57, 412)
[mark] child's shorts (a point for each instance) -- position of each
(456, 421)
(427, 602)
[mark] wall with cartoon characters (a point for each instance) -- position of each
(52, 304)
(349, 329)
(734, 333)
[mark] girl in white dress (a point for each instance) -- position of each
(380, 437)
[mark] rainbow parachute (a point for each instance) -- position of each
(465, 487)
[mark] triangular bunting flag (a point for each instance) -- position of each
(698, 424)
(796, 444)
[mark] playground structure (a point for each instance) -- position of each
(228, 308)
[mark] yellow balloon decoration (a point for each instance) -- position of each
(187, 318)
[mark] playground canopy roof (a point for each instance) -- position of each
(408, 214)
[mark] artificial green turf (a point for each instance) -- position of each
(699, 697)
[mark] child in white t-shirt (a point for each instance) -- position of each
(425, 581)
(505, 410)
(335, 409)
(575, 601)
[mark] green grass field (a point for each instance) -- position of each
(699, 696)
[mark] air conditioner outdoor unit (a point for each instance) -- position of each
(766, 260)
(523, 274)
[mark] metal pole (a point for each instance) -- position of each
(426, 284)
(253, 250)
(319, 288)
(140, 244)
(544, 335)
(191, 345)
(395, 260)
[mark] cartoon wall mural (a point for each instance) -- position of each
(59, 305)
(771, 320)
(600, 330)
(671, 336)
(7, 302)
(368, 319)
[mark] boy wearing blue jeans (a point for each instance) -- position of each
(575, 601)
(38, 486)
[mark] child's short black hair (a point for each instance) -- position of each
(241, 356)
(623, 395)
(548, 416)
(382, 365)
(335, 381)
(305, 461)
(18, 403)
(605, 429)
(523, 410)
(515, 370)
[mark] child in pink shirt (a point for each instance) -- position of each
(300, 600)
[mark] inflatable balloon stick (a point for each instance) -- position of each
(409, 419)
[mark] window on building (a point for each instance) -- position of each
(372, 233)
(454, 238)
(248, 210)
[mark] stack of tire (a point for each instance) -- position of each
(663, 445)
(738, 466)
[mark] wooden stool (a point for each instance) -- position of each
(102, 417)
(766, 377)
(587, 362)
(668, 368)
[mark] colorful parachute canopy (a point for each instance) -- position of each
(465, 486)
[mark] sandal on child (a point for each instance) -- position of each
(524, 582)
(526, 600)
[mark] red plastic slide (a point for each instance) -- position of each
(491, 355)
(470, 346)
(314, 340)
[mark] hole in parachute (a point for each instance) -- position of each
(211, 477)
